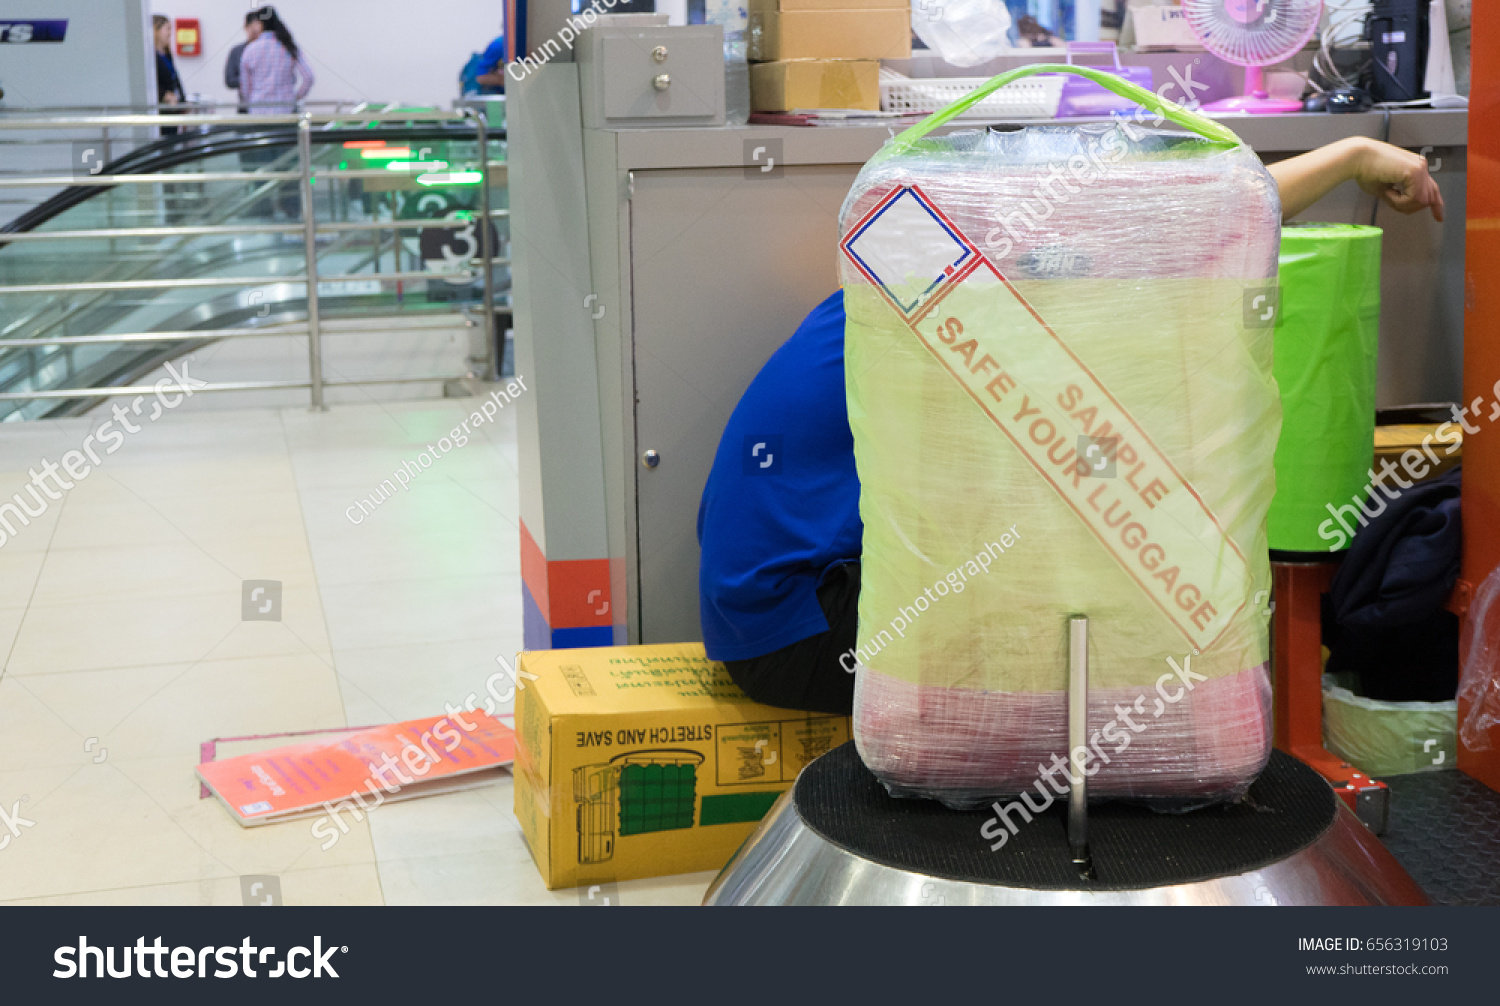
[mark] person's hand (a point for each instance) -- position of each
(170, 98)
(1399, 177)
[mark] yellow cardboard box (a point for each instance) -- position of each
(815, 83)
(641, 761)
(829, 34)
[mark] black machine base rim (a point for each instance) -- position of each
(1132, 847)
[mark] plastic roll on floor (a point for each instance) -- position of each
(1326, 340)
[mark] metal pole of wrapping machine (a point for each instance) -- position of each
(1078, 728)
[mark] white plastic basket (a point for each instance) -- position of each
(1030, 98)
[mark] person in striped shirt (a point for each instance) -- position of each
(274, 75)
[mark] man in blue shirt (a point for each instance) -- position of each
(485, 72)
(780, 530)
(779, 524)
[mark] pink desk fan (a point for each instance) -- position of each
(1253, 34)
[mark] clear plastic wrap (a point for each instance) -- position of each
(1479, 673)
(1058, 355)
(963, 32)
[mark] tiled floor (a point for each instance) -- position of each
(124, 649)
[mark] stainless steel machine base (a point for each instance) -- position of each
(786, 862)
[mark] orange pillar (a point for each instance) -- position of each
(1481, 491)
(1298, 659)
(1297, 667)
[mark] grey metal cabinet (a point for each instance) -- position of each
(723, 268)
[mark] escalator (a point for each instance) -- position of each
(236, 248)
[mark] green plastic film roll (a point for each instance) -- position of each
(1326, 341)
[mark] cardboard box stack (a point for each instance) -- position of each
(823, 53)
(641, 761)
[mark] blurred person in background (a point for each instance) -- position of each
(177, 200)
(232, 71)
(274, 75)
(168, 85)
(1032, 33)
(484, 73)
(232, 67)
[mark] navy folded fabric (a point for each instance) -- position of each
(1402, 566)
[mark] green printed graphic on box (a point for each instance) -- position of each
(644, 791)
(657, 797)
(736, 808)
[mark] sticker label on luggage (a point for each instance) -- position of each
(1057, 413)
(929, 254)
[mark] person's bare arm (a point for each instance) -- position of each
(1397, 176)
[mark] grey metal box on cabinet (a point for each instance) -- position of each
(652, 76)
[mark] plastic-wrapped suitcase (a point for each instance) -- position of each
(1058, 363)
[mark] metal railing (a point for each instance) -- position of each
(107, 120)
(307, 177)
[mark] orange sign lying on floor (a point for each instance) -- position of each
(415, 758)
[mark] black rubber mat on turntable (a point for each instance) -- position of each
(1287, 809)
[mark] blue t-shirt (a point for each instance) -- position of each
(782, 503)
(493, 56)
(492, 60)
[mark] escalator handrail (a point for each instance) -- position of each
(170, 151)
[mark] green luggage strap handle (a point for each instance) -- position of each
(1204, 127)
